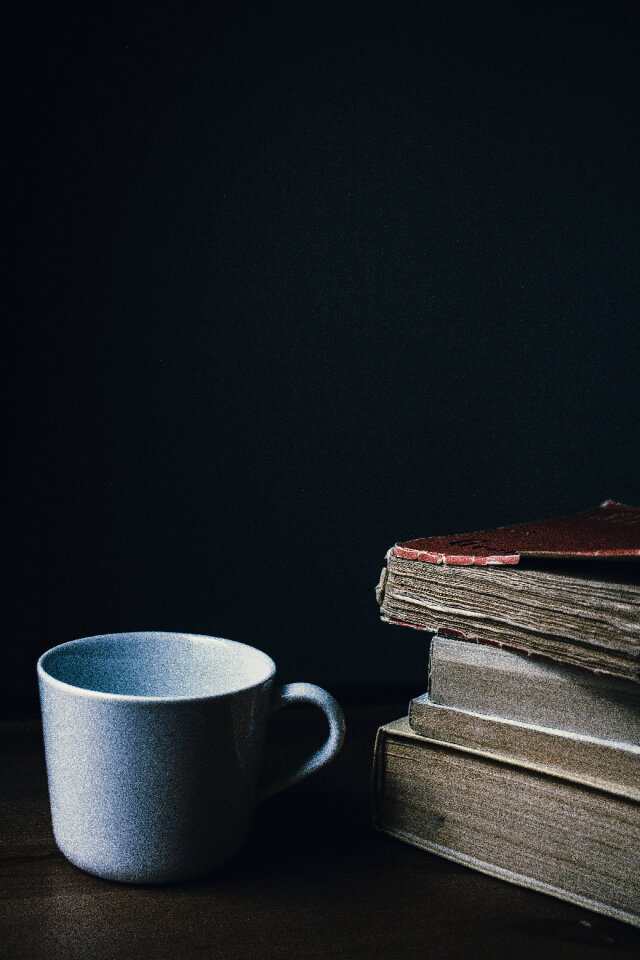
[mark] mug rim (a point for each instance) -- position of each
(49, 678)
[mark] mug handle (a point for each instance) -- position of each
(307, 693)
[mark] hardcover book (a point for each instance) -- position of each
(543, 829)
(496, 682)
(611, 765)
(568, 588)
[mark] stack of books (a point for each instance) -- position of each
(522, 759)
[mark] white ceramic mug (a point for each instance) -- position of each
(154, 745)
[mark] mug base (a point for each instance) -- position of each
(143, 874)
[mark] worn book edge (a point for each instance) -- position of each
(626, 754)
(609, 531)
(532, 690)
(519, 879)
(401, 726)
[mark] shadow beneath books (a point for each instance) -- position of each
(593, 932)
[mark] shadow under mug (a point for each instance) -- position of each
(154, 744)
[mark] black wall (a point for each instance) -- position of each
(296, 281)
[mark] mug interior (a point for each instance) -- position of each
(167, 665)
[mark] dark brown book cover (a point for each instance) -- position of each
(611, 530)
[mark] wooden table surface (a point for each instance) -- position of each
(315, 880)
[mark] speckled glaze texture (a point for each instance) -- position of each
(154, 746)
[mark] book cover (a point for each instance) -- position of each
(611, 530)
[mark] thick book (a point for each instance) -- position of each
(497, 682)
(574, 840)
(610, 765)
(568, 588)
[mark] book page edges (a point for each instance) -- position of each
(628, 753)
(403, 727)
(501, 873)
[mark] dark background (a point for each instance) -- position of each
(295, 281)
